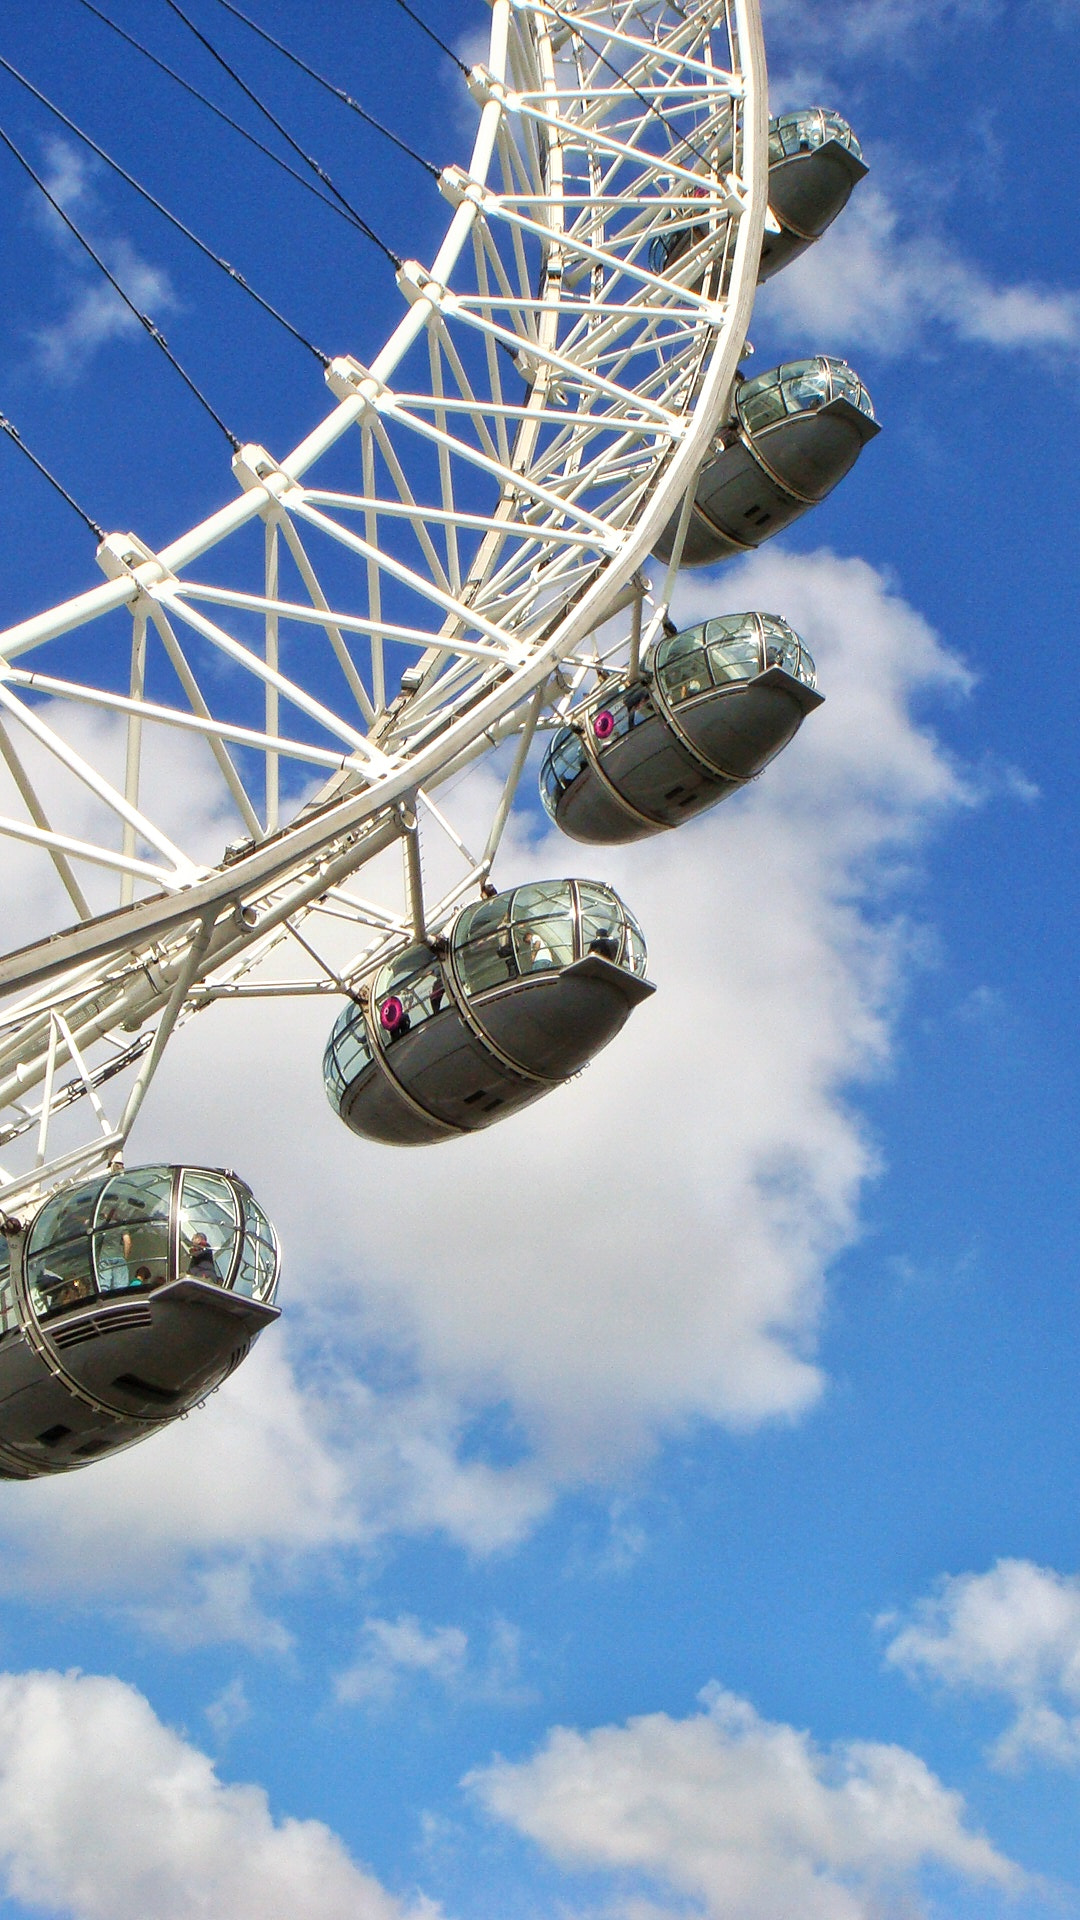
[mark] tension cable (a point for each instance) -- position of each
(8, 426)
(233, 272)
(253, 140)
(143, 319)
(338, 92)
(432, 35)
(309, 161)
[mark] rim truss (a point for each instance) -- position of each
(423, 577)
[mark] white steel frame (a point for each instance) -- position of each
(534, 421)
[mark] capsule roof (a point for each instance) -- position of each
(735, 646)
(137, 1229)
(807, 128)
(799, 386)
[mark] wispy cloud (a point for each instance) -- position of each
(395, 1648)
(1013, 1632)
(94, 313)
(216, 1604)
(395, 1652)
(846, 27)
(228, 1710)
(899, 27)
(873, 282)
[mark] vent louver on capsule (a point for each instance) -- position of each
(112, 1320)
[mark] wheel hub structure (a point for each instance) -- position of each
(451, 559)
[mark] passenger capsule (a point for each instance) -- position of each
(796, 432)
(713, 706)
(520, 994)
(123, 1303)
(815, 162)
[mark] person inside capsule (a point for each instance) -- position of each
(521, 992)
(714, 704)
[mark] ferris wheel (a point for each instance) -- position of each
(471, 556)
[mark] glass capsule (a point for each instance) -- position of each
(714, 704)
(519, 995)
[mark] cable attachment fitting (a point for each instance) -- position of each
(349, 379)
(254, 467)
(125, 553)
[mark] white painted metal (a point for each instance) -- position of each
(532, 424)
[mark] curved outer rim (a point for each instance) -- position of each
(348, 830)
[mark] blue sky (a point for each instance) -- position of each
(668, 1504)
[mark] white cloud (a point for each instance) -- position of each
(850, 27)
(393, 1652)
(95, 312)
(471, 1328)
(396, 1647)
(273, 1473)
(107, 1814)
(847, 28)
(228, 1710)
(744, 1817)
(1014, 1632)
(872, 283)
(216, 1603)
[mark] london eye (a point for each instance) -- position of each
(470, 556)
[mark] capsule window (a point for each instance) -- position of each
(807, 390)
(257, 1271)
(685, 677)
(732, 656)
(131, 1237)
(68, 1216)
(602, 924)
(209, 1227)
(806, 129)
(484, 947)
(619, 714)
(783, 648)
(9, 1314)
(760, 411)
(61, 1277)
(564, 762)
(542, 917)
(347, 1054)
(407, 992)
(835, 127)
(60, 1270)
